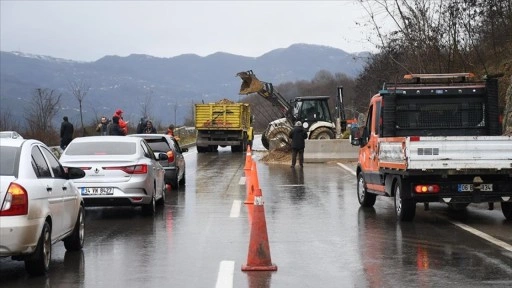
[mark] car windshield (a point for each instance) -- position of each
(8, 157)
(101, 148)
(158, 146)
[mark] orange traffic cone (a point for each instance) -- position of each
(252, 183)
(258, 258)
(248, 159)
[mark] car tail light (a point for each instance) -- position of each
(427, 188)
(170, 156)
(133, 169)
(15, 201)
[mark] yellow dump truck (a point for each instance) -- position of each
(224, 123)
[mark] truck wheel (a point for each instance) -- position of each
(506, 208)
(201, 149)
(322, 133)
(365, 199)
(405, 208)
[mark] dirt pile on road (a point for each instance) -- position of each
(280, 155)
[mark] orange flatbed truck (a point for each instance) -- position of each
(434, 138)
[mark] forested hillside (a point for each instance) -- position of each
(441, 37)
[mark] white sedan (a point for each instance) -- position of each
(119, 171)
(39, 204)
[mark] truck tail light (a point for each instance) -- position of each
(15, 201)
(415, 138)
(170, 156)
(427, 188)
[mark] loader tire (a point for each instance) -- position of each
(322, 133)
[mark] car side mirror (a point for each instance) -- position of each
(355, 136)
(75, 173)
(161, 156)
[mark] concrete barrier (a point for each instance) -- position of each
(330, 150)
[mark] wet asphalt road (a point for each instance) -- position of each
(318, 237)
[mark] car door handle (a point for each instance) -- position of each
(49, 189)
(64, 188)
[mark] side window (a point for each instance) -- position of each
(175, 146)
(147, 150)
(378, 119)
(58, 171)
(39, 164)
(369, 121)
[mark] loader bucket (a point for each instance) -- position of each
(250, 84)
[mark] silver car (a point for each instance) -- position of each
(119, 171)
(175, 164)
(39, 204)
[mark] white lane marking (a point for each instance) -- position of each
(482, 235)
(347, 168)
(292, 185)
(471, 230)
(242, 181)
(225, 276)
(235, 209)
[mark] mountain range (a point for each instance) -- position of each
(172, 84)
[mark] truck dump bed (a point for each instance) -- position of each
(215, 116)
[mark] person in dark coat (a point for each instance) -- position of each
(149, 129)
(66, 133)
(298, 136)
(114, 128)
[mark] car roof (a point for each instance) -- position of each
(151, 136)
(16, 142)
(105, 139)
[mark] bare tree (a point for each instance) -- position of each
(8, 122)
(40, 113)
(79, 89)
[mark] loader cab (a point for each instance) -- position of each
(311, 109)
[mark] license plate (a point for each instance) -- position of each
(97, 191)
(470, 188)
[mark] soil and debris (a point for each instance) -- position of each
(279, 155)
(225, 101)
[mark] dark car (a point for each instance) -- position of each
(175, 164)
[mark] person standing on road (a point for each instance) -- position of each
(122, 124)
(102, 127)
(170, 131)
(114, 128)
(149, 129)
(66, 133)
(298, 136)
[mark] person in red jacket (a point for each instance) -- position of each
(122, 124)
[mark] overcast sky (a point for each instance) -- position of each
(89, 30)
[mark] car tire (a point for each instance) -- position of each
(161, 201)
(365, 199)
(39, 263)
(182, 180)
(175, 184)
(150, 208)
(405, 208)
(75, 241)
(506, 208)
